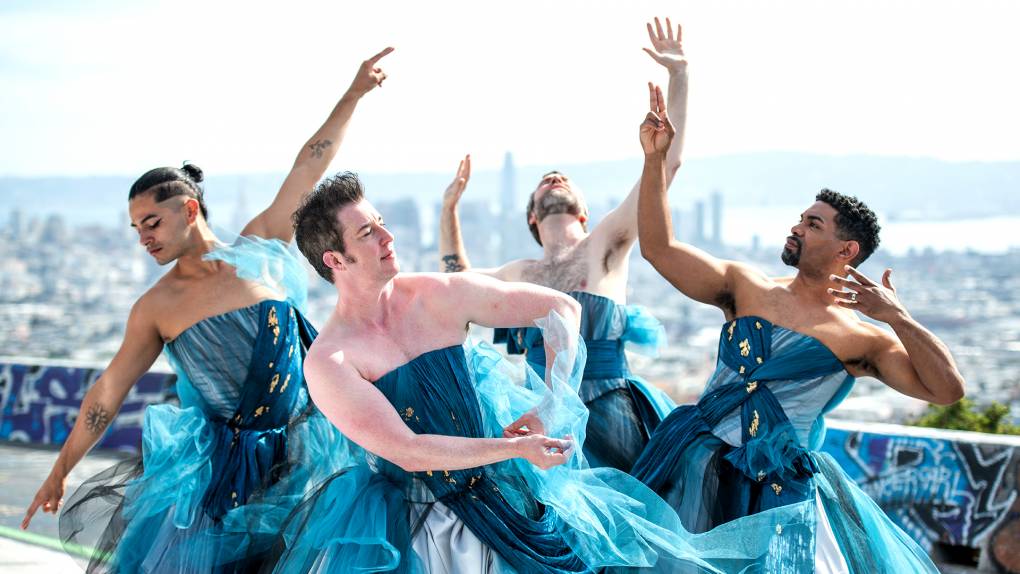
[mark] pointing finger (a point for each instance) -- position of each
(380, 55)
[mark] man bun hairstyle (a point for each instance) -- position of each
(854, 222)
(167, 182)
(316, 226)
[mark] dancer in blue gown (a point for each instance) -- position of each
(745, 459)
(593, 268)
(217, 475)
(473, 463)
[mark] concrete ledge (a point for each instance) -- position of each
(954, 492)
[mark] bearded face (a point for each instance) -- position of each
(558, 200)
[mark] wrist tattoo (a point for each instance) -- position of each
(97, 419)
(452, 263)
(319, 147)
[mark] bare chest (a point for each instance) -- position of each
(186, 304)
(568, 272)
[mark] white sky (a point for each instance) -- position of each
(119, 87)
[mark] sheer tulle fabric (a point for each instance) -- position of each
(739, 467)
(219, 474)
(624, 408)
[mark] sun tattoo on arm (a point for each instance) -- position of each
(97, 419)
(452, 263)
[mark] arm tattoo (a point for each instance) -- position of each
(452, 263)
(97, 419)
(319, 147)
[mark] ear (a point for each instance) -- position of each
(334, 261)
(191, 209)
(849, 251)
(532, 220)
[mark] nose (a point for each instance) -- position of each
(144, 238)
(385, 234)
(797, 230)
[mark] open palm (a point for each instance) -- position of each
(666, 48)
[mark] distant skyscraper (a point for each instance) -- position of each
(717, 217)
(699, 222)
(15, 224)
(508, 186)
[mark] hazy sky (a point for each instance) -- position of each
(117, 87)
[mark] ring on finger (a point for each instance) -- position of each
(853, 296)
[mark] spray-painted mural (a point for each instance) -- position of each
(39, 404)
(937, 490)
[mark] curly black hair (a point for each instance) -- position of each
(854, 222)
(316, 227)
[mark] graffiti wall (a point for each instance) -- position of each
(937, 489)
(39, 404)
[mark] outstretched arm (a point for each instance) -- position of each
(914, 362)
(452, 256)
(363, 414)
(667, 50)
(139, 350)
(315, 156)
(695, 273)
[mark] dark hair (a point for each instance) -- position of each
(316, 227)
(854, 222)
(167, 182)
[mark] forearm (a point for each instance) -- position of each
(931, 359)
(97, 411)
(452, 255)
(320, 149)
(655, 226)
(676, 107)
(432, 452)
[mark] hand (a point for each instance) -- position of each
(456, 188)
(369, 76)
(667, 50)
(656, 131)
(50, 497)
(879, 302)
(528, 424)
(544, 452)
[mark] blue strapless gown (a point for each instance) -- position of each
(219, 474)
(624, 409)
(743, 467)
(571, 518)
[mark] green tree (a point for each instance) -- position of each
(968, 416)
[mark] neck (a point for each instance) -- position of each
(560, 232)
(813, 285)
(364, 305)
(201, 240)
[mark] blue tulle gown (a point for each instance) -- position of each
(743, 467)
(624, 409)
(505, 517)
(219, 474)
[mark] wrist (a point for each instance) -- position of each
(351, 96)
(900, 318)
(655, 157)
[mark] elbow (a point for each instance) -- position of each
(650, 250)
(952, 394)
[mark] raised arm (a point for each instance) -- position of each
(452, 255)
(315, 156)
(914, 361)
(694, 272)
(668, 51)
(142, 344)
(363, 414)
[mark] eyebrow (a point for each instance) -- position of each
(144, 219)
(815, 217)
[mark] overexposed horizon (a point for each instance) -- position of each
(118, 87)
